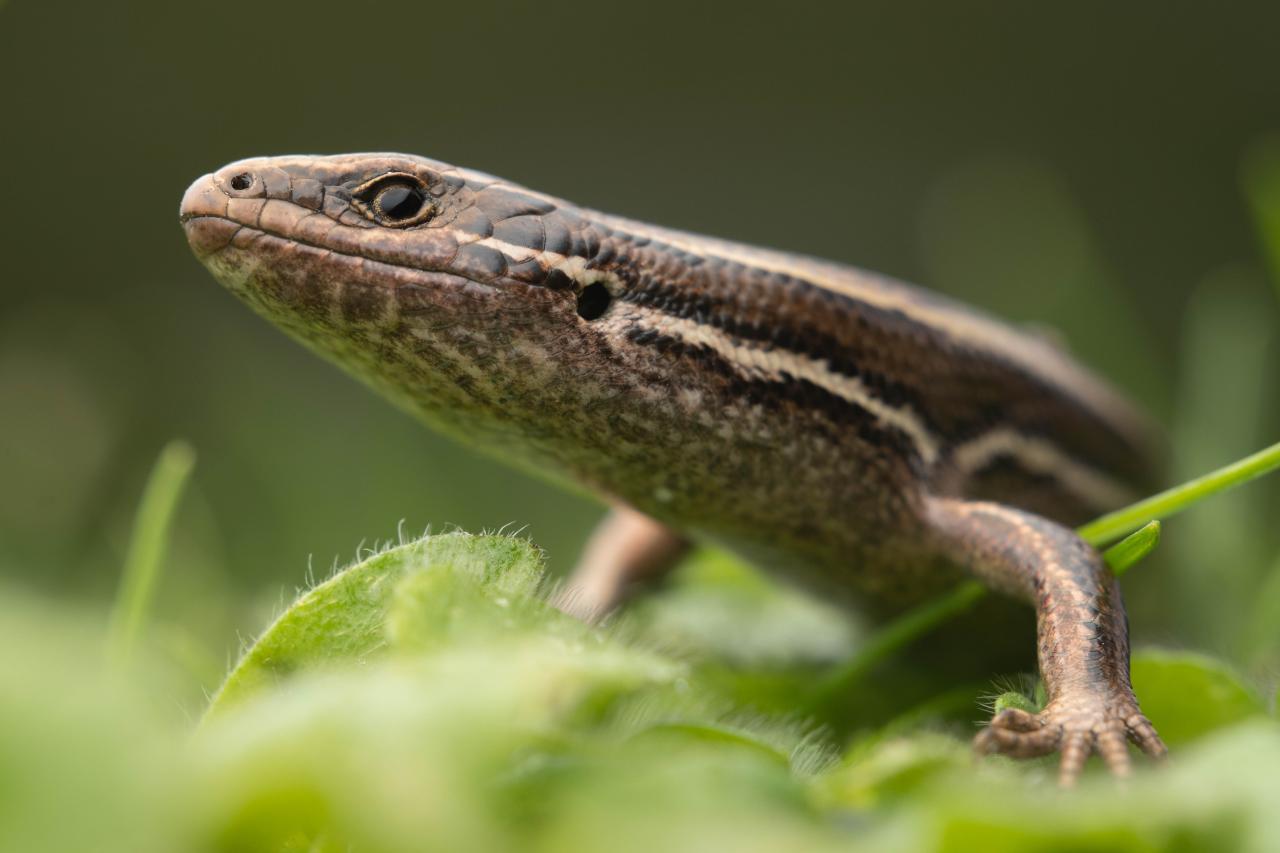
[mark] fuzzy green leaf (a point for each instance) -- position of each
(1013, 699)
(345, 619)
(1188, 695)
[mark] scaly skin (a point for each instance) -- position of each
(1083, 636)
(865, 438)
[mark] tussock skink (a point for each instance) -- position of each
(869, 439)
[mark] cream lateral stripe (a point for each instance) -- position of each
(514, 253)
(966, 327)
(962, 325)
(755, 362)
(1034, 454)
(1040, 457)
(572, 266)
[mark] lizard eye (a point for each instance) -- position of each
(398, 202)
(395, 200)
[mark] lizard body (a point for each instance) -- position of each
(872, 440)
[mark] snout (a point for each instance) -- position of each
(203, 214)
(216, 205)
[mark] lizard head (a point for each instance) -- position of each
(475, 303)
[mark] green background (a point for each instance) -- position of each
(1083, 168)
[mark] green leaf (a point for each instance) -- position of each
(1219, 794)
(891, 770)
(450, 606)
(1014, 699)
(1188, 695)
(345, 619)
(714, 734)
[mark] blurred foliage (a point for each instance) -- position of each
(1094, 167)
(1261, 175)
(428, 698)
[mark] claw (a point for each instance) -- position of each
(1017, 720)
(1144, 734)
(1016, 744)
(1114, 749)
(1074, 752)
(1077, 727)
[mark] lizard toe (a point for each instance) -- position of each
(1142, 733)
(1017, 734)
(1077, 727)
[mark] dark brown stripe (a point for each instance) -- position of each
(996, 391)
(773, 395)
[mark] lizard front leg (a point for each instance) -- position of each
(627, 550)
(1083, 633)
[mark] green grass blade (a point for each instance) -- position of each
(1261, 179)
(147, 546)
(1128, 551)
(1110, 527)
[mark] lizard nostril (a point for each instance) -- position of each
(242, 181)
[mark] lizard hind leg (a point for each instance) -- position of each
(628, 550)
(1083, 635)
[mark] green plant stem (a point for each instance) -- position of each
(893, 636)
(1110, 527)
(1143, 517)
(147, 546)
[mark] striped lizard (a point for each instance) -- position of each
(867, 439)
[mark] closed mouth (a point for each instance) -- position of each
(228, 231)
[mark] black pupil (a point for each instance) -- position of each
(400, 202)
(593, 300)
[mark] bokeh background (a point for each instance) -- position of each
(1089, 167)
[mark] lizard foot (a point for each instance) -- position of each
(1077, 727)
